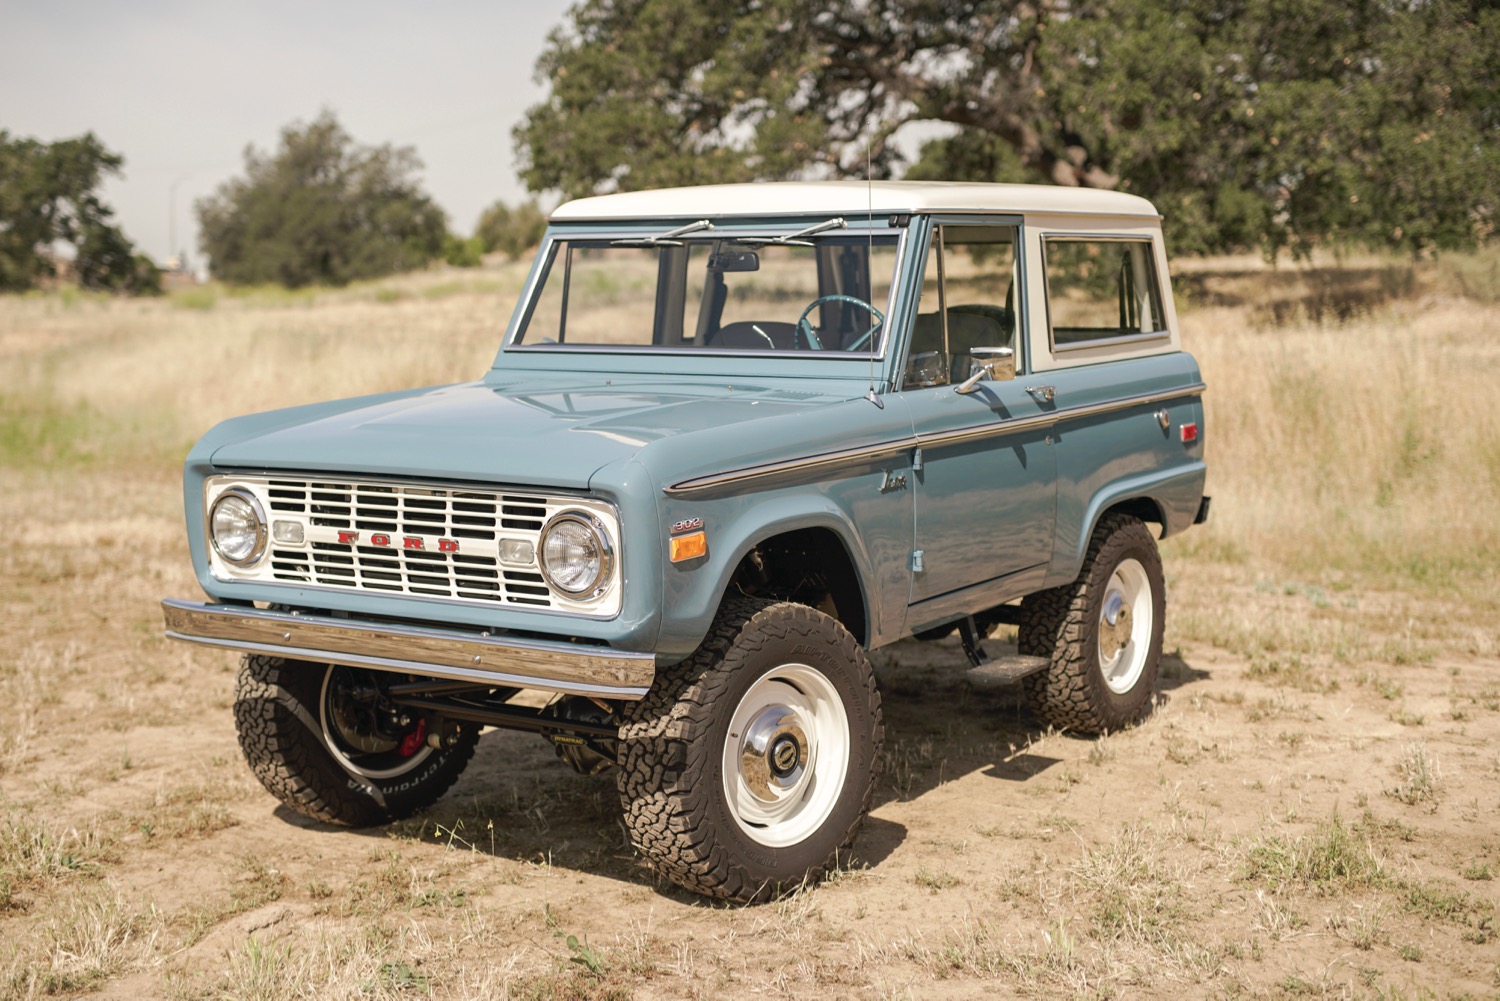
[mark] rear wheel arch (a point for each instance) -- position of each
(1143, 508)
(1136, 502)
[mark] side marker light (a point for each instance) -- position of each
(1190, 432)
(689, 547)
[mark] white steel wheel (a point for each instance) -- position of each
(746, 769)
(1126, 618)
(786, 755)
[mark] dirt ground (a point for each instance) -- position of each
(1282, 826)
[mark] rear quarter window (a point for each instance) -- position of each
(1101, 290)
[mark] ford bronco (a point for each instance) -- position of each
(734, 437)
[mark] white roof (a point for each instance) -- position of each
(852, 198)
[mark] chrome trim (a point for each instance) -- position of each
(869, 453)
(1105, 342)
(540, 273)
(845, 456)
(596, 587)
(570, 668)
(1000, 428)
(262, 533)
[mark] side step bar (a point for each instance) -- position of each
(1003, 671)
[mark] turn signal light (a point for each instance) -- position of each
(1189, 432)
(689, 547)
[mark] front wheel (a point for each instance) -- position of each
(324, 740)
(748, 767)
(1102, 633)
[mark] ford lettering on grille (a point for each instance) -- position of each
(385, 541)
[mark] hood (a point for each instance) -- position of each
(541, 434)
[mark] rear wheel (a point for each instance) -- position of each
(748, 767)
(324, 741)
(1102, 633)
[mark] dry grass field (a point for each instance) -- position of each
(1312, 811)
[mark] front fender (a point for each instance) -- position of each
(878, 549)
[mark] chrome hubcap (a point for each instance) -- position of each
(786, 756)
(772, 754)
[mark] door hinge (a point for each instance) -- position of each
(916, 561)
(916, 461)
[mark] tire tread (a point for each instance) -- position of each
(1054, 624)
(664, 761)
(275, 702)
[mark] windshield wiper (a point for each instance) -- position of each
(664, 239)
(795, 239)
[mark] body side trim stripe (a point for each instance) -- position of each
(881, 450)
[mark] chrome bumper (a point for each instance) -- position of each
(439, 653)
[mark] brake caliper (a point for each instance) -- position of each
(414, 740)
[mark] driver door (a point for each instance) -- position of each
(985, 484)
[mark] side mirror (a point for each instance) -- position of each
(995, 364)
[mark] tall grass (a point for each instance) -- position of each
(1369, 445)
(139, 381)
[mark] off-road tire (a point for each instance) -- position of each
(277, 714)
(673, 744)
(1062, 624)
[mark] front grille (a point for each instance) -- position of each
(459, 543)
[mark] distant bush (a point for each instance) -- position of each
(321, 211)
(463, 253)
(1476, 276)
(200, 297)
(514, 231)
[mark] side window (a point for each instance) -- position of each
(1099, 290)
(969, 299)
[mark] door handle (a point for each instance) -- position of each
(1042, 394)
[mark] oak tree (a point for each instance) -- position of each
(49, 200)
(321, 210)
(1278, 123)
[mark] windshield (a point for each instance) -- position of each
(829, 293)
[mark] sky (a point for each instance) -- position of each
(180, 89)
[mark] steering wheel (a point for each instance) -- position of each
(806, 329)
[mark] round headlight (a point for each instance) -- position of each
(237, 526)
(575, 554)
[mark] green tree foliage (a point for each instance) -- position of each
(514, 231)
(1278, 123)
(49, 195)
(463, 253)
(321, 210)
